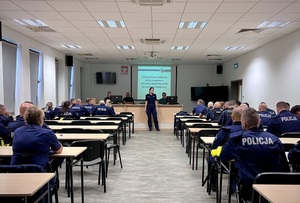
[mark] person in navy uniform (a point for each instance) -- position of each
(226, 114)
(264, 114)
(5, 116)
(103, 110)
(32, 142)
(294, 155)
(296, 110)
(49, 111)
(254, 151)
(150, 107)
(128, 99)
(108, 96)
(215, 113)
(12, 126)
(200, 110)
(284, 121)
(89, 105)
(81, 110)
(271, 111)
(67, 112)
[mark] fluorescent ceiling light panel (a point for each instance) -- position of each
(180, 47)
(274, 24)
(192, 24)
(111, 23)
(70, 46)
(31, 22)
(125, 47)
(233, 48)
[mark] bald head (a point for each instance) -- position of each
(262, 107)
(24, 107)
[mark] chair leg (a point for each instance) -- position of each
(99, 173)
(120, 157)
(108, 153)
(103, 176)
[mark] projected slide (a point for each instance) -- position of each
(158, 77)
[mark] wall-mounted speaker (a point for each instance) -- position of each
(219, 69)
(69, 60)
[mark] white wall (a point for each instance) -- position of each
(188, 76)
(270, 73)
(23, 80)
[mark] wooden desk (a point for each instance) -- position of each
(68, 152)
(279, 193)
(92, 121)
(24, 184)
(92, 127)
(80, 136)
(289, 140)
(191, 145)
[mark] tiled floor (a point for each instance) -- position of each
(155, 169)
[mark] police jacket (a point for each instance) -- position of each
(224, 133)
(4, 120)
(265, 117)
(69, 114)
(12, 126)
(199, 109)
(283, 122)
(255, 151)
(225, 115)
(80, 110)
(294, 154)
(214, 114)
(90, 108)
(49, 114)
(103, 110)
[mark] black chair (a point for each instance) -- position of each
(291, 134)
(131, 120)
(280, 178)
(117, 148)
(80, 122)
(71, 130)
(94, 155)
(51, 122)
(33, 168)
(92, 118)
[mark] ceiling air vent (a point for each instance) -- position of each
(84, 54)
(152, 41)
(214, 59)
(131, 59)
(250, 30)
(151, 2)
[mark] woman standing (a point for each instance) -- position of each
(150, 108)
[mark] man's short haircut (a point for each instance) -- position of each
(281, 105)
(232, 103)
(237, 113)
(200, 101)
(251, 118)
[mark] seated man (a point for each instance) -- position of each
(226, 114)
(254, 152)
(103, 110)
(79, 109)
(89, 105)
(294, 154)
(264, 114)
(284, 121)
(5, 116)
(12, 126)
(128, 99)
(296, 110)
(163, 100)
(200, 110)
(214, 114)
(32, 143)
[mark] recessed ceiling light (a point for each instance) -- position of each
(180, 47)
(274, 24)
(35, 25)
(111, 23)
(192, 24)
(125, 47)
(71, 46)
(233, 48)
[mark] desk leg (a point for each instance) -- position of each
(193, 138)
(82, 183)
(132, 124)
(71, 179)
(221, 181)
(129, 128)
(124, 132)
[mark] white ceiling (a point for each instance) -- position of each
(75, 23)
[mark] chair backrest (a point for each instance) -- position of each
(280, 178)
(114, 118)
(95, 149)
(81, 122)
(51, 122)
(125, 112)
(71, 130)
(291, 134)
(92, 131)
(208, 133)
(202, 125)
(106, 123)
(21, 168)
(92, 118)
